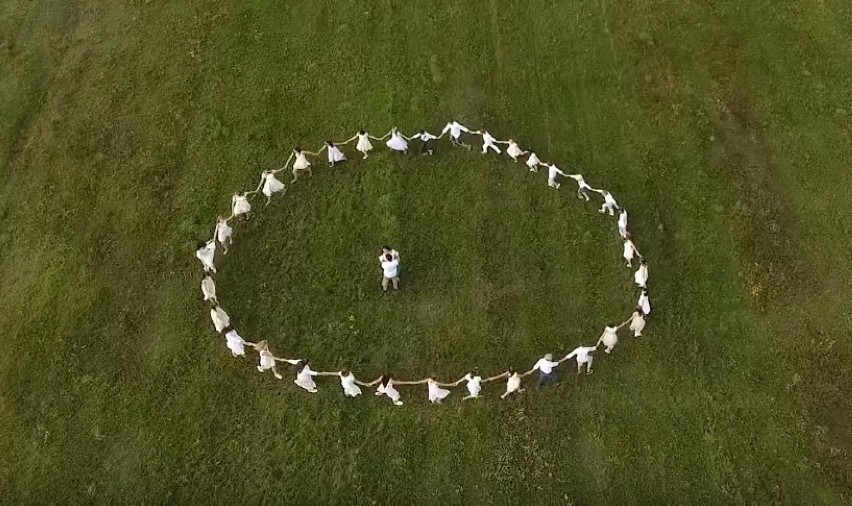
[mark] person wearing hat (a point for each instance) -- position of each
(545, 367)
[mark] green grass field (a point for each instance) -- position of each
(723, 126)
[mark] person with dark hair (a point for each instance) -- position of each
(583, 187)
(386, 387)
(305, 376)
(347, 381)
(208, 287)
(474, 384)
(637, 322)
(644, 302)
(223, 233)
(397, 141)
(426, 144)
(513, 150)
(268, 360)
(552, 173)
(364, 145)
(219, 317)
(513, 381)
(640, 277)
(205, 252)
(455, 129)
(235, 342)
(533, 162)
(270, 185)
(335, 155)
(488, 142)
(609, 338)
(240, 206)
(622, 223)
(301, 164)
(583, 354)
(629, 251)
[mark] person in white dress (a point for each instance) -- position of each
(347, 381)
(629, 251)
(544, 366)
(583, 354)
(609, 338)
(426, 142)
(513, 382)
(301, 163)
(270, 185)
(533, 162)
(219, 317)
(208, 288)
(240, 206)
(609, 205)
(335, 155)
(397, 141)
(223, 233)
(205, 252)
(455, 130)
(364, 146)
(622, 223)
(234, 342)
(583, 187)
(512, 149)
(305, 376)
(637, 322)
(644, 302)
(474, 385)
(552, 172)
(386, 387)
(640, 277)
(436, 393)
(268, 360)
(488, 142)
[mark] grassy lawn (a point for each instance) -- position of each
(723, 126)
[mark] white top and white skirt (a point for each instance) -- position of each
(208, 288)
(629, 250)
(436, 393)
(224, 231)
(206, 256)
(514, 150)
(637, 324)
(622, 223)
(610, 337)
(644, 303)
(364, 145)
(305, 378)
(267, 360)
(335, 155)
(397, 142)
(220, 318)
(235, 343)
(640, 277)
(271, 184)
(390, 391)
(240, 205)
(301, 162)
(350, 389)
(533, 162)
(474, 384)
(513, 383)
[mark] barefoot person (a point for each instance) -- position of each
(609, 338)
(455, 130)
(234, 342)
(305, 376)
(513, 150)
(386, 387)
(533, 162)
(474, 385)
(268, 360)
(583, 187)
(390, 270)
(583, 354)
(220, 318)
(347, 381)
(335, 155)
(364, 146)
(513, 382)
(397, 141)
(488, 142)
(240, 206)
(629, 251)
(609, 205)
(640, 277)
(301, 163)
(223, 233)
(270, 185)
(644, 302)
(637, 322)
(622, 223)
(544, 366)
(552, 173)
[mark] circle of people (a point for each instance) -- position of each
(389, 261)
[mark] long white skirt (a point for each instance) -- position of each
(220, 319)
(305, 381)
(235, 343)
(397, 143)
(336, 155)
(640, 277)
(636, 326)
(241, 206)
(514, 151)
(272, 186)
(437, 393)
(364, 144)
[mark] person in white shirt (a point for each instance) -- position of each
(223, 233)
(583, 188)
(513, 382)
(390, 271)
(270, 185)
(622, 223)
(552, 171)
(583, 354)
(488, 142)
(637, 322)
(386, 387)
(301, 163)
(544, 366)
(205, 252)
(512, 149)
(609, 205)
(240, 206)
(474, 384)
(640, 277)
(533, 162)
(208, 288)
(455, 129)
(268, 360)
(426, 144)
(364, 146)
(629, 251)
(644, 302)
(305, 376)
(609, 338)
(234, 342)
(347, 381)
(219, 317)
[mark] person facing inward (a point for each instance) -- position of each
(397, 142)
(205, 252)
(223, 233)
(426, 142)
(544, 366)
(637, 322)
(268, 360)
(552, 171)
(335, 155)
(455, 130)
(609, 205)
(364, 146)
(609, 338)
(390, 270)
(270, 185)
(235, 342)
(240, 206)
(208, 288)
(584, 355)
(301, 163)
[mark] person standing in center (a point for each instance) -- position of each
(545, 367)
(389, 261)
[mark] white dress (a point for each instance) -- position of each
(640, 277)
(224, 231)
(390, 391)
(622, 223)
(629, 250)
(610, 337)
(644, 303)
(436, 393)
(301, 162)
(240, 205)
(637, 324)
(220, 318)
(533, 162)
(208, 288)
(235, 343)
(350, 389)
(397, 142)
(474, 384)
(364, 145)
(267, 360)
(335, 155)
(271, 185)
(206, 255)
(583, 354)
(514, 150)
(513, 383)
(305, 379)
